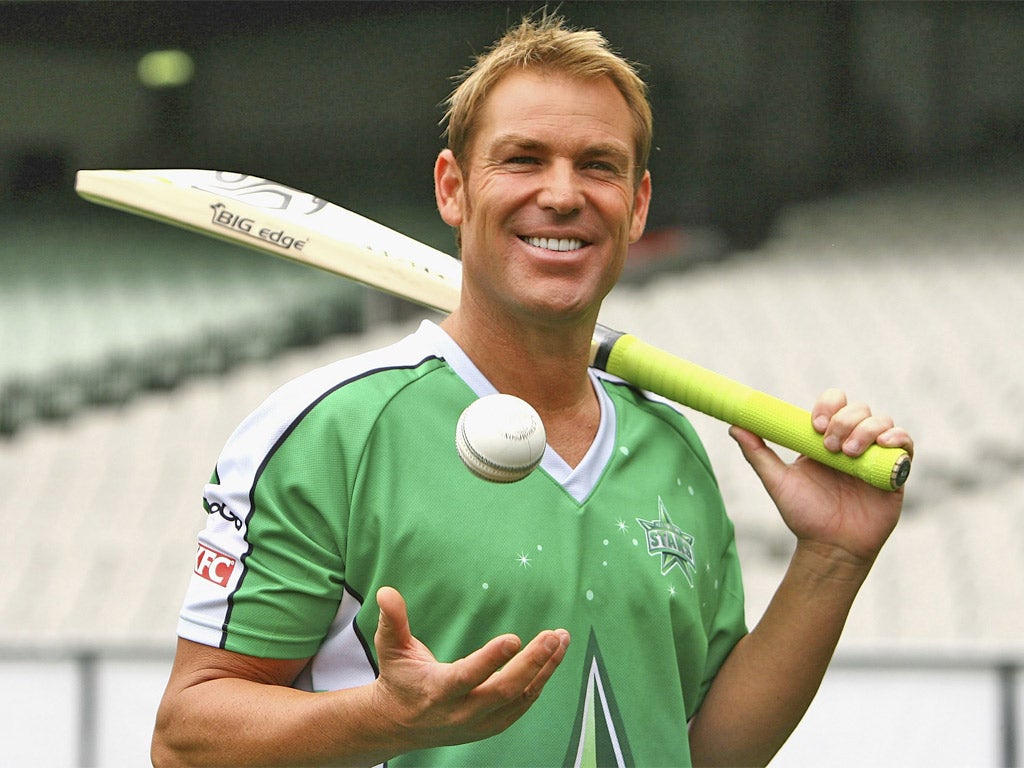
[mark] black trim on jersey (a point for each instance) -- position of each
(363, 641)
(266, 460)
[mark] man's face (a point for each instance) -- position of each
(545, 200)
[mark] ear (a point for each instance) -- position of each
(448, 188)
(641, 204)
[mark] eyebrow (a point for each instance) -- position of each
(515, 140)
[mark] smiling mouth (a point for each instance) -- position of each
(555, 243)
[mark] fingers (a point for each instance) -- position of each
(827, 405)
(534, 662)
(393, 627)
(897, 437)
(494, 686)
(852, 427)
(505, 683)
(538, 662)
(473, 670)
(508, 670)
(474, 697)
(511, 691)
(764, 461)
(842, 423)
(510, 673)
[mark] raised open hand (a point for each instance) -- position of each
(432, 703)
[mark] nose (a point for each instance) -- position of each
(560, 190)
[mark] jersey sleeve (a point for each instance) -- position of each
(269, 569)
(271, 564)
(729, 624)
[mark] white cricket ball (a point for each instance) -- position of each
(500, 438)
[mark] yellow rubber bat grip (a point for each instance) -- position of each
(722, 398)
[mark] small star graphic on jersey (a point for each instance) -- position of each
(621, 525)
(674, 545)
(523, 559)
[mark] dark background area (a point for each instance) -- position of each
(756, 104)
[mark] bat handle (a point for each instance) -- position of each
(722, 398)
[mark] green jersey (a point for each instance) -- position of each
(348, 479)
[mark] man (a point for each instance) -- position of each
(356, 557)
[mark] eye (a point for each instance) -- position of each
(521, 160)
(602, 166)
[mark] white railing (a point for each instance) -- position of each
(89, 709)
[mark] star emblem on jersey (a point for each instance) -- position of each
(674, 545)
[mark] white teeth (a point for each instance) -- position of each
(555, 244)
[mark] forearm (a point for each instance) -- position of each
(240, 722)
(766, 684)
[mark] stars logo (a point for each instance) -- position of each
(674, 545)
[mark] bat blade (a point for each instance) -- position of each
(285, 222)
(276, 219)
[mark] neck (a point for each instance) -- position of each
(545, 366)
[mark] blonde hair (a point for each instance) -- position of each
(545, 42)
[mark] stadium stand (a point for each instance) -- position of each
(907, 295)
(96, 306)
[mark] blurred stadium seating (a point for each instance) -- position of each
(906, 295)
(96, 306)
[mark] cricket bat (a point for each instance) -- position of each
(294, 225)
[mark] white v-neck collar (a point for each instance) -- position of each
(577, 481)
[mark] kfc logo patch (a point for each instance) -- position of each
(214, 566)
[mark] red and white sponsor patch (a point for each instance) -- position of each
(214, 566)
